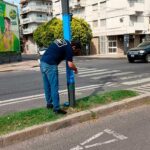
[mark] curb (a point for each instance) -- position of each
(72, 119)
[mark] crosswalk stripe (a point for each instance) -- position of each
(99, 73)
(111, 75)
(122, 73)
(93, 71)
(136, 81)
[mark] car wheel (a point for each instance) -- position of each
(147, 58)
(130, 60)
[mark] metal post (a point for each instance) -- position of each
(67, 35)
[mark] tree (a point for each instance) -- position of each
(47, 32)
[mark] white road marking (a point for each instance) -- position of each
(136, 81)
(112, 75)
(99, 144)
(115, 134)
(92, 138)
(84, 72)
(99, 73)
(132, 77)
(116, 137)
(39, 96)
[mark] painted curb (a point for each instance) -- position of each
(72, 119)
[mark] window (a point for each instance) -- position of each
(112, 44)
(95, 7)
(39, 15)
(95, 23)
(103, 45)
(103, 22)
(102, 5)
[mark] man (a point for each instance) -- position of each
(9, 40)
(58, 51)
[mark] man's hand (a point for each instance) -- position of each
(73, 67)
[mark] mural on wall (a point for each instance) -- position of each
(9, 28)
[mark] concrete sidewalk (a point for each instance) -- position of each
(73, 119)
(16, 66)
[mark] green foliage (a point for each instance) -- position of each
(47, 32)
(20, 120)
(81, 31)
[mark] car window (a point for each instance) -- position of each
(144, 44)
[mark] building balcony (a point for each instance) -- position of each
(77, 5)
(136, 27)
(28, 30)
(28, 9)
(24, 1)
(135, 8)
(33, 19)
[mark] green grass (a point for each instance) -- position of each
(21, 120)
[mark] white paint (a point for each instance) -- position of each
(112, 75)
(84, 72)
(92, 138)
(116, 137)
(136, 81)
(99, 73)
(115, 134)
(132, 77)
(40, 96)
(99, 144)
(77, 148)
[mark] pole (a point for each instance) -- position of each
(67, 35)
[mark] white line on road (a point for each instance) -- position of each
(112, 75)
(84, 72)
(113, 135)
(99, 73)
(99, 144)
(92, 138)
(136, 81)
(39, 96)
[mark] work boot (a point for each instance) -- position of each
(49, 106)
(60, 111)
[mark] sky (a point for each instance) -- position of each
(16, 2)
(13, 1)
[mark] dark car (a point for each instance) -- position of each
(141, 52)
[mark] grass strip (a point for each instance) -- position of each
(21, 120)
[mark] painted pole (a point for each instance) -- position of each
(67, 35)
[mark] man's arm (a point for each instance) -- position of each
(72, 66)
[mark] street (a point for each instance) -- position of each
(23, 89)
(123, 130)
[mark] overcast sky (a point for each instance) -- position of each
(13, 1)
(16, 2)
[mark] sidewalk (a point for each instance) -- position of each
(73, 119)
(19, 65)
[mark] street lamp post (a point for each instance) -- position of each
(67, 35)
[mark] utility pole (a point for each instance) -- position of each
(67, 35)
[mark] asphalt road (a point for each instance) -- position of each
(124, 130)
(20, 90)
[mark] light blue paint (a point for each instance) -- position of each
(67, 36)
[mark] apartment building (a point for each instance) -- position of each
(117, 25)
(32, 14)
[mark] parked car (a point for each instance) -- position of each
(141, 52)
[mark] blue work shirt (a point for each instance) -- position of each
(58, 51)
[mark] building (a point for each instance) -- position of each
(117, 25)
(32, 14)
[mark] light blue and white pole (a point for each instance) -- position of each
(67, 35)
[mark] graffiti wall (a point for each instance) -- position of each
(9, 28)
